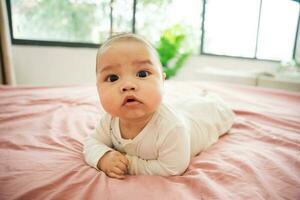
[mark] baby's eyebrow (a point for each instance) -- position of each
(140, 62)
(108, 67)
(113, 66)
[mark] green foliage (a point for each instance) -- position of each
(169, 43)
(58, 19)
(155, 2)
(171, 71)
(170, 47)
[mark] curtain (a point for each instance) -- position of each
(6, 54)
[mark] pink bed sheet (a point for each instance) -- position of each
(42, 131)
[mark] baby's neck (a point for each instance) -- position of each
(131, 128)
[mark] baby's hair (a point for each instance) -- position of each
(127, 37)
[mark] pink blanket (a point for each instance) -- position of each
(42, 131)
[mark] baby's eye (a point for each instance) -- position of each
(142, 74)
(112, 78)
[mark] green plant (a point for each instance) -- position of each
(170, 47)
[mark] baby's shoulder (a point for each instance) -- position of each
(168, 116)
(105, 118)
(171, 124)
(104, 121)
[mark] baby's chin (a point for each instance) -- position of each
(136, 115)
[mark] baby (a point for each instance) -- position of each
(140, 133)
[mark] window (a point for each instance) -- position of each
(122, 15)
(277, 30)
(230, 27)
(263, 29)
(153, 17)
(73, 21)
(260, 29)
(87, 22)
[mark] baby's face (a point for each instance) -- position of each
(129, 80)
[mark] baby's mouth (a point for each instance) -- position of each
(130, 101)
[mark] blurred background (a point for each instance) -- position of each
(250, 42)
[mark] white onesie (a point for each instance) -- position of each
(175, 133)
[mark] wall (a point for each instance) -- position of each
(233, 70)
(298, 46)
(44, 66)
(1, 69)
(239, 71)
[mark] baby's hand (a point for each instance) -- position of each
(114, 164)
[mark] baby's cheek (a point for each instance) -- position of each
(156, 97)
(107, 102)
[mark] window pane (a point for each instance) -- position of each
(277, 29)
(122, 15)
(61, 20)
(231, 27)
(153, 17)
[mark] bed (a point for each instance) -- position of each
(42, 131)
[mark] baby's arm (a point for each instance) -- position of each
(98, 152)
(173, 158)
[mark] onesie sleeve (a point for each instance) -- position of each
(173, 156)
(98, 142)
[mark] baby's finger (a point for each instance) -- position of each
(117, 170)
(114, 175)
(124, 160)
(122, 166)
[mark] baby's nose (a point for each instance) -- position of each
(128, 86)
